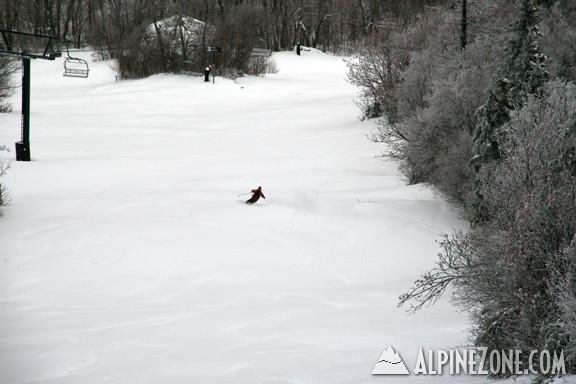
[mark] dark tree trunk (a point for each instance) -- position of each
(464, 26)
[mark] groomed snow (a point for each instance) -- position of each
(126, 255)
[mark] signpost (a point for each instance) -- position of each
(214, 50)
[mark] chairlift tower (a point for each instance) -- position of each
(26, 47)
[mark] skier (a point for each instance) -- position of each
(256, 194)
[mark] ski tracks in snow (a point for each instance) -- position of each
(127, 257)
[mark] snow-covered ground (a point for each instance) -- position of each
(127, 256)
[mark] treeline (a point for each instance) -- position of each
(145, 37)
(129, 30)
(477, 99)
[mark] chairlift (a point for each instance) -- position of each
(75, 67)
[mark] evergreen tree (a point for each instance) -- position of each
(526, 68)
(523, 74)
(493, 115)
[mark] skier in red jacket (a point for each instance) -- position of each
(256, 194)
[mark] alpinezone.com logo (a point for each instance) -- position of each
(472, 361)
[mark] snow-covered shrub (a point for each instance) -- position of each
(563, 335)
(522, 201)
(260, 65)
(430, 108)
(506, 267)
(559, 41)
(530, 200)
(378, 68)
(4, 165)
(376, 71)
(437, 107)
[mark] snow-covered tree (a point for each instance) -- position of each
(563, 335)
(523, 74)
(376, 71)
(506, 270)
(559, 41)
(525, 65)
(493, 115)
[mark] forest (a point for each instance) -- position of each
(130, 31)
(483, 110)
(475, 99)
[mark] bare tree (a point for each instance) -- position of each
(7, 87)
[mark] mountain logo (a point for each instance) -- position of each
(390, 363)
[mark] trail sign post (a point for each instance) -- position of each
(214, 50)
(21, 45)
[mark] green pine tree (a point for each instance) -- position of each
(493, 115)
(525, 66)
(524, 73)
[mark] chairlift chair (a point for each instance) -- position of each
(75, 67)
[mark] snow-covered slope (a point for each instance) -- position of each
(126, 255)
